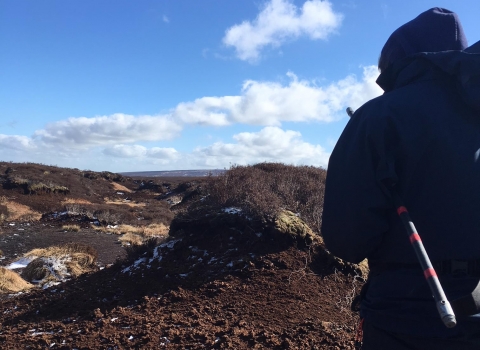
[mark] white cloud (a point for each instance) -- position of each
(16, 142)
(259, 103)
(126, 151)
(269, 144)
(353, 93)
(271, 103)
(138, 151)
(116, 139)
(207, 110)
(163, 153)
(279, 21)
(165, 19)
(104, 130)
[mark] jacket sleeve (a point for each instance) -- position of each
(355, 213)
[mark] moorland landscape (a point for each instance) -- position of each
(99, 260)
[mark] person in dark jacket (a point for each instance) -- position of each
(423, 135)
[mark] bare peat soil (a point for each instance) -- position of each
(210, 291)
(213, 285)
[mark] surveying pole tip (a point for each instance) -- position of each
(446, 313)
(350, 111)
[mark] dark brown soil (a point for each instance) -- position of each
(222, 282)
(22, 237)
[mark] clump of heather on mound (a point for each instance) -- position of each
(264, 189)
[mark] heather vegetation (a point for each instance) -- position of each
(264, 189)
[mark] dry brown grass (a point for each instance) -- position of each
(131, 239)
(118, 187)
(138, 230)
(152, 230)
(11, 282)
(69, 248)
(107, 229)
(75, 201)
(71, 228)
(124, 202)
(102, 229)
(155, 230)
(40, 269)
(137, 235)
(78, 258)
(76, 269)
(20, 212)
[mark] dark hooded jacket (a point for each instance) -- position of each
(432, 31)
(424, 135)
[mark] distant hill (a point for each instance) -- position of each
(35, 192)
(175, 173)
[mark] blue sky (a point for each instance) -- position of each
(174, 84)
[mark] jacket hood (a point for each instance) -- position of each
(433, 42)
(434, 30)
(461, 67)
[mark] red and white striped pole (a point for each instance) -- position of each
(444, 308)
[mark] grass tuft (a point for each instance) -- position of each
(78, 258)
(152, 230)
(121, 188)
(131, 239)
(156, 230)
(71, 228)
(11, 282)
(20, 212)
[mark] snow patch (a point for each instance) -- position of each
(232, 210)
(134, 266)
(166, 245)
(20, 263)
(157, 255)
